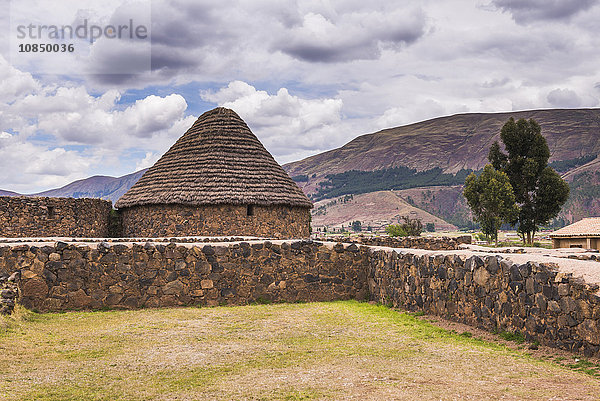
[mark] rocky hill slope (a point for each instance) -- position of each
(99, 186)
(8, 193)
(451, 143)
(376, 210)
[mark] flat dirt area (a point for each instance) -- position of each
(315, 351)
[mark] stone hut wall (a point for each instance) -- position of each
(218, 220)
(70, 276)
(53, 217)
(493, 293)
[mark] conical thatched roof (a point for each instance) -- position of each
(217, 161)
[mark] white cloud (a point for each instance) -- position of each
(353, 35)
(147, 161)
(284, 123)
(61, 133)
(25, 167)
(151, 114)
(74, 116)
(308, 76)
(14, 83)
(564, 98)
(528, 11)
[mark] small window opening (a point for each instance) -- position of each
(250, 210)
(576, 246)
(50, 212)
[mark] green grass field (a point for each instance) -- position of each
(339, 350)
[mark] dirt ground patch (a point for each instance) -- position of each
(339, 351)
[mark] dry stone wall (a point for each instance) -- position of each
(53, 217)
(536, 300)
(222, 220)
(69, 276)
(490, 292)
(9, 292)
(434, 244)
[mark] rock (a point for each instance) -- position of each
(113, 299)
(27, 274)
(206, 284)
(16, 276)
(553, 306)
(79, 299)
(481, 276)
(173, 288)
(491, 264)
(563, 289)
(115, 289)
(589, 331)
(208, 250)
(35, 288)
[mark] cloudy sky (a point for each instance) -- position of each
(306, 76)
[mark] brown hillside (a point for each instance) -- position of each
(591, 167)
(375, 209)
(452, 143)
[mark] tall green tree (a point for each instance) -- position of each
(539, 191)
(490, 196)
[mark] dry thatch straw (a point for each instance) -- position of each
(217, 161)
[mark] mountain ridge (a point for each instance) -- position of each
(452, 143)
(98, 186)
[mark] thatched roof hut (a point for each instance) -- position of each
(217, 179)
(217, 161)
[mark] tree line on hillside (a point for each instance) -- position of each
(358, 182)
(562, 166)
(517, 187)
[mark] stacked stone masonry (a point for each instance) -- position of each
(493, 293)
(490, 292)
(221, 220)
(434, 244)
(9, 292)
(53, 217)
(67, 276)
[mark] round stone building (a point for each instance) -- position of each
(216, 180)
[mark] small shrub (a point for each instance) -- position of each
(516, 337)
(263, 301)
(396, 230)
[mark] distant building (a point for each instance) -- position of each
(216, 180)
(582, 234)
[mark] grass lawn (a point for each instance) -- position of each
(339, 350)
